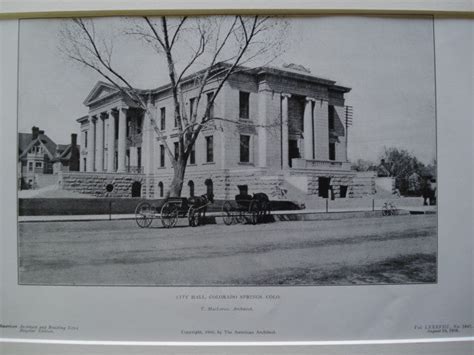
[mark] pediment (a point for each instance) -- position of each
(101, 90)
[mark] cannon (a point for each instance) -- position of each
(192, 208)
(246, 208)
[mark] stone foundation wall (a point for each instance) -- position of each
(225, 183)
(96, 183)
(363, 184)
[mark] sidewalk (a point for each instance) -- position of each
(319, 211)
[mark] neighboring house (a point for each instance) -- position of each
(383, 170)
(37, 154)
(67, 156)
(289, 127)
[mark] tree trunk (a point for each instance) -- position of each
(178, 179)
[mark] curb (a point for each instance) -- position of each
(305, 214)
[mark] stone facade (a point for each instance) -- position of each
(295, 126)
(96, 184)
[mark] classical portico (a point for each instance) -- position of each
(111, 133)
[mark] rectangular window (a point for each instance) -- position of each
(331, 117)
(162, 155)
(163, 118)
(209, 149)
(85, 139)
(38, 164)
(192, 155)
(210, 95)
(244, 149)
(30, 166)
(176, 150)
(244, 104)
(139, 157)
(332, 151)
(192, 101)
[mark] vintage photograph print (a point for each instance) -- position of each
(227, 151)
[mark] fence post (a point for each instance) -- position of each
(110, 210)
(373, 205)
(327, 205)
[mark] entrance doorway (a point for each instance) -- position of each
(293, 150)
(324, 186)
(136, 189)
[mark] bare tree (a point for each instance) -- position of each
(212, 47)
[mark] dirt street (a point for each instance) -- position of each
(396, 249)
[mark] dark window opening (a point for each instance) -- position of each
(332, 151)
(162, 155)
(324, 186)
(209, 188)
(176, 150)
(160, 188)
(210, 95)
(244, 149)
(209, 149)
(109, 188)
(85, 139)
(244, 104)
(85, 164)
(139, 157)
(191, 107)
(192, 155)
(163, 118)
(343, 191)
(136, 189)
(293, 150)
(191, 188)
(331, 115)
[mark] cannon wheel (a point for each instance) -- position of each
(254, 212)
(194, 217)
(227, 211)
(144, 214)
(169, 215)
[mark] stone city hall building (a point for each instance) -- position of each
(275, 130)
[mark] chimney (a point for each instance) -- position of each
(41, 131)
(34, 132)
(73, 139)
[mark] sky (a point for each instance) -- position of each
(388, 63)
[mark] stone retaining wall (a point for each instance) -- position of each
(225, 183)
(95, 184)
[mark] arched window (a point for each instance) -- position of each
(160, 187)
(191, 188)
(209, 188)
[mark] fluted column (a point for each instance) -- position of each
(284, 130)
(111, 142)
(308, 129)
(91, 145)
(99, 147)
(122, 138)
